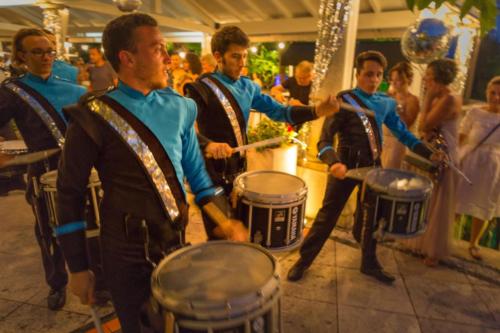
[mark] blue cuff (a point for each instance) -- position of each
(324, 149)
(206, 193)
(70, 228)
(288, 115)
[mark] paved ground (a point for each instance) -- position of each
(461, 296)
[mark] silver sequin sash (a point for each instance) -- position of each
(39, 110)
(142, 151)
(372, 139)
(228, 108)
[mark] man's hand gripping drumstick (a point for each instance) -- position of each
(226, 227)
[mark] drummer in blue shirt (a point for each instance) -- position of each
(140, 137)
(224, 100)
(359, 145)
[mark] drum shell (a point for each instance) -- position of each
(396, 213)
(275, 220)
(235, 314)
(93, 199)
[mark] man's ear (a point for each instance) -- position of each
(218, 56)
(126, 58)
(21, 56)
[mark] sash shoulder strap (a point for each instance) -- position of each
(230, 106)
(44, 110)
(371, 129)
(149, 152)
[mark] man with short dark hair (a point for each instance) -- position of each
(101, 75)
(140, 137)
(224, 100)
(299, 85)
(360, 145)
(35, 101)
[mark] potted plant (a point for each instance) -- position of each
(279, 157)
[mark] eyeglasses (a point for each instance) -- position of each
(40, 53)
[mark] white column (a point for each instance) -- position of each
(339, 77)
(205, 44)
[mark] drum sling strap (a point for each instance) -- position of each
(371, 129)
(49, 116)
(150, 154)
(231, 107)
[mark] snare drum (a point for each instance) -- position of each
(48, 188)
(13, 147)
(219, 287)
(399, 200)
(272, 205)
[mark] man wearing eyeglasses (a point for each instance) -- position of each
(35, 101)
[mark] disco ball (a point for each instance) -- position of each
(128, 5)
(425, 41)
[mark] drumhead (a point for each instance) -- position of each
(13, 147)
(398, 183)
(219, 279)
(270, 186)
(49, 179)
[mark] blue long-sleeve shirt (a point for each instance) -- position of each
(171, 118)
(58, 92)
(249, 96)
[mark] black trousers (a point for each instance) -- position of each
(128, 273)
(336, 195)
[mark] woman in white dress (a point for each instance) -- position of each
(400, 76)
(480, 161)
(439, 113)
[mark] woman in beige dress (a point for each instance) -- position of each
(440, 112)
(400, 76)
(480, 161)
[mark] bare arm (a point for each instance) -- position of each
(436, 110)
(277, 92)
(411, 112)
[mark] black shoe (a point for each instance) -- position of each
(56, 298)
(379, 274)
(296, 272)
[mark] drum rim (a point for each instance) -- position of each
(93, 179)
(270, 198)
(216, 310)
(412, 193)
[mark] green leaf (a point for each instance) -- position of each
(410, 4)
(488, 12)
(466, 7)
(421, 4)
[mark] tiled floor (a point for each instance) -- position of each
(332, 297)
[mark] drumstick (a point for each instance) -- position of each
(449, 163)
(351, 108)
(258, 144)
(96, 319)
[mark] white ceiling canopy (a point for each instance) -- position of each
(263, 20)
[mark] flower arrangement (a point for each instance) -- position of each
(268, 129)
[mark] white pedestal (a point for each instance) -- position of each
(279, 159)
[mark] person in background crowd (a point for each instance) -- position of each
(439, 118)
(224, 100)
(480, 161)
(208, 63)
(192, 65)
(101, 75)
(176, 70)
(400, 76)
(62, 68)
(299, 85)
(48, 94)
